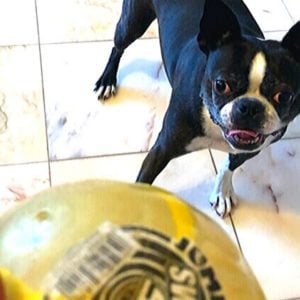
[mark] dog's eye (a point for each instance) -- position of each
(222, 87)
(283, 97)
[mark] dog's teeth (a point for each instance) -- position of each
(245, 141)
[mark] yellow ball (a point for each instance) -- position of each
(122, 241)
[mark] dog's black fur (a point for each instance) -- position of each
(231, 89)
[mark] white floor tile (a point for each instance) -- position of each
(268, 217)
(17, 22)
(19, 182)
(293, 7)
(22, 122)
(275, 35)
(80, 20)
(293, 129)
(271, 15)
(123, 167)
(78, 124)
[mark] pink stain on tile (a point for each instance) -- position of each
(18, 192)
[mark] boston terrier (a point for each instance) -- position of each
(231, 89)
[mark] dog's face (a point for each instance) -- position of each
(251, 87)
(251, 90)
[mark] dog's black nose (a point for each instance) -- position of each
(248, 113)
(249, 108)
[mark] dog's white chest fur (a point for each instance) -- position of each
(213, 137)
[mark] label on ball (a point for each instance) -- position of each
(133, 262)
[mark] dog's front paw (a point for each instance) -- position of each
(223, 198)
(223, 203)
(105, 91)
(105, 86)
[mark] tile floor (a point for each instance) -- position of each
(52, 52)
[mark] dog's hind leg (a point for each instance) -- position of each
(135, 18)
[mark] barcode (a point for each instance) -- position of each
(84, 267)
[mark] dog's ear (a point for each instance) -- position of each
(291, 41)
(218, 26)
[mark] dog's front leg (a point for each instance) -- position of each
(223, 198)
(158, 157)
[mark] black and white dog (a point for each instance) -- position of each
(231, 89)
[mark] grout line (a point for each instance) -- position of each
(213, 161)
(274, 31)
(109, 155)
(93, 41)
(43, 91)
(99, 40)
(68, 42)
(17, 45)
(97, 156)
(290, 138)
(27, 163)
(236, 234)
(230, 216)
(288, 11)
(71, 159)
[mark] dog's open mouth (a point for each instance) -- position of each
(248, 139)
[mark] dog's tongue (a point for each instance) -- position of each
(244, 134)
